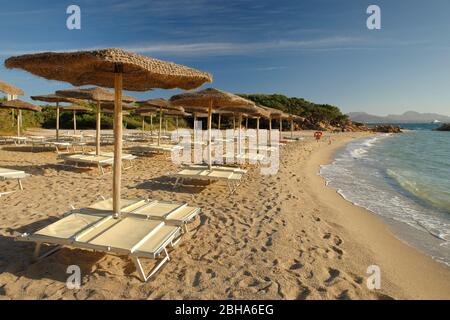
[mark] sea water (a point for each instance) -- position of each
(404, 178)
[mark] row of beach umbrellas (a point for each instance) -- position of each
(121, 70)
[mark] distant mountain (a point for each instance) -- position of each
(407, 117)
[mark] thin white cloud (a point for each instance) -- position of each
(203, 48)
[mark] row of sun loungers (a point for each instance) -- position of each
(145, 231)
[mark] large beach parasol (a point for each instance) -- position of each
(19, 105)
(53, 98)
(111, 68)
(213, 99)
(96, 95)
(157, 104)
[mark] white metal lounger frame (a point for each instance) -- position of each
(161, 255)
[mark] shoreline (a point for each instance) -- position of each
(402, 266)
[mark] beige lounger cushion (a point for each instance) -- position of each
(171, 212)
(68, 227)
(124, 235)
(107, 205)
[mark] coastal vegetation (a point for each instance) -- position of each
(317, 116)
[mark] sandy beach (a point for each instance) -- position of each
(286, 236)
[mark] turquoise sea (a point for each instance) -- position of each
(404, 178)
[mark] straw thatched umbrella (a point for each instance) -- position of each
(213, 99)
(11, 93)
(10, 90)
(111, 68)
(19, 105)
(53, 98)
(158, 104)
(74, 108)
(96, 95)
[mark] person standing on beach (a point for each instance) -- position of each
(318, 135)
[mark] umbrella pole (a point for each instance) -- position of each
(98, 128)
(292, 128)
(18, 122)
(234, 123)
(257, 135)
(143, 124)
(176, 123)
(160, 125)
(209, 134)
(281, 128)
(246, 123)
(74, 122)
(151, 124)
(165, 126)
(218, 123)
(195, 121)
(118, 116)
(270, 130)
(239, 137)
(57, 121)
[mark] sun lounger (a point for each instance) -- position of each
(131, 236)
(69, 146)
(153, 148)
(233, 179)
(74, 160)
(6, 140)
(146, 229)
(10, 174)
(101, 161)
(289, 139)
(241, 158)
(214, 167)
(125, 157)
(18, 140)
(263, 148)
(172, 213)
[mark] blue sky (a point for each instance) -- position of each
(320, 50)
